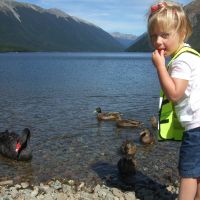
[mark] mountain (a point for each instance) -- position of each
(142, 44)
(124, 39)
(193, 10)
(27, 27)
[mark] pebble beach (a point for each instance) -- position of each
(71, 190)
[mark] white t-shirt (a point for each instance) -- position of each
(187, 66)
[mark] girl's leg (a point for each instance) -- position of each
(188, 189)
(197, 197)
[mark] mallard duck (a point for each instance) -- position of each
(154, 122)
(107, 115)
(146, 137)
(16, 146)
(128, 123)
(128, 148)
(126, 166)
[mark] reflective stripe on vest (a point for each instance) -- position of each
(169, 127)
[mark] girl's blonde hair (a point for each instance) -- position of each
(168, 16)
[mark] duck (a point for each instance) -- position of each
(128, 148)
(154, 122)
(126, 166)
(15, 146)
(128, 123)
(146, 137)
(107, 115)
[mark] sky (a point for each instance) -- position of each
(124, 16)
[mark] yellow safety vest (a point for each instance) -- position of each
(169, 127)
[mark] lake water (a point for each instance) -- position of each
(55, 94)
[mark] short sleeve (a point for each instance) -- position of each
(181, 68)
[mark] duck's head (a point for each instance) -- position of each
(131, 149)
(98, 110)
(128, 148)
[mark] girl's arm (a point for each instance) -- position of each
(173, 88)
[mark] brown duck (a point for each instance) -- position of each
(146, 137)
(154, 122)
(107, 115)
(128, 148)
(128, 123)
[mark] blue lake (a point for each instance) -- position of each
(55, 94)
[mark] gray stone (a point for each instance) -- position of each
(110, 196)
(17, 186)
(25, 185)
(56, 185)
(116, 192)
(8, 183)
(44, 188)
(45, 197)
(129, 196)
(34, 193)
(85, 195)
(71, 182)
(80, 187)
(61, 196)
(14, 192)
(67, 188)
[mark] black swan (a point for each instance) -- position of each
(16, 146)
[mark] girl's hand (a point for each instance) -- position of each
(158, 58)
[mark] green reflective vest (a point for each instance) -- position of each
(169, 127)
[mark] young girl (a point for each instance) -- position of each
(169, 28)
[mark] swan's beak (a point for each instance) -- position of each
(18, 146)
